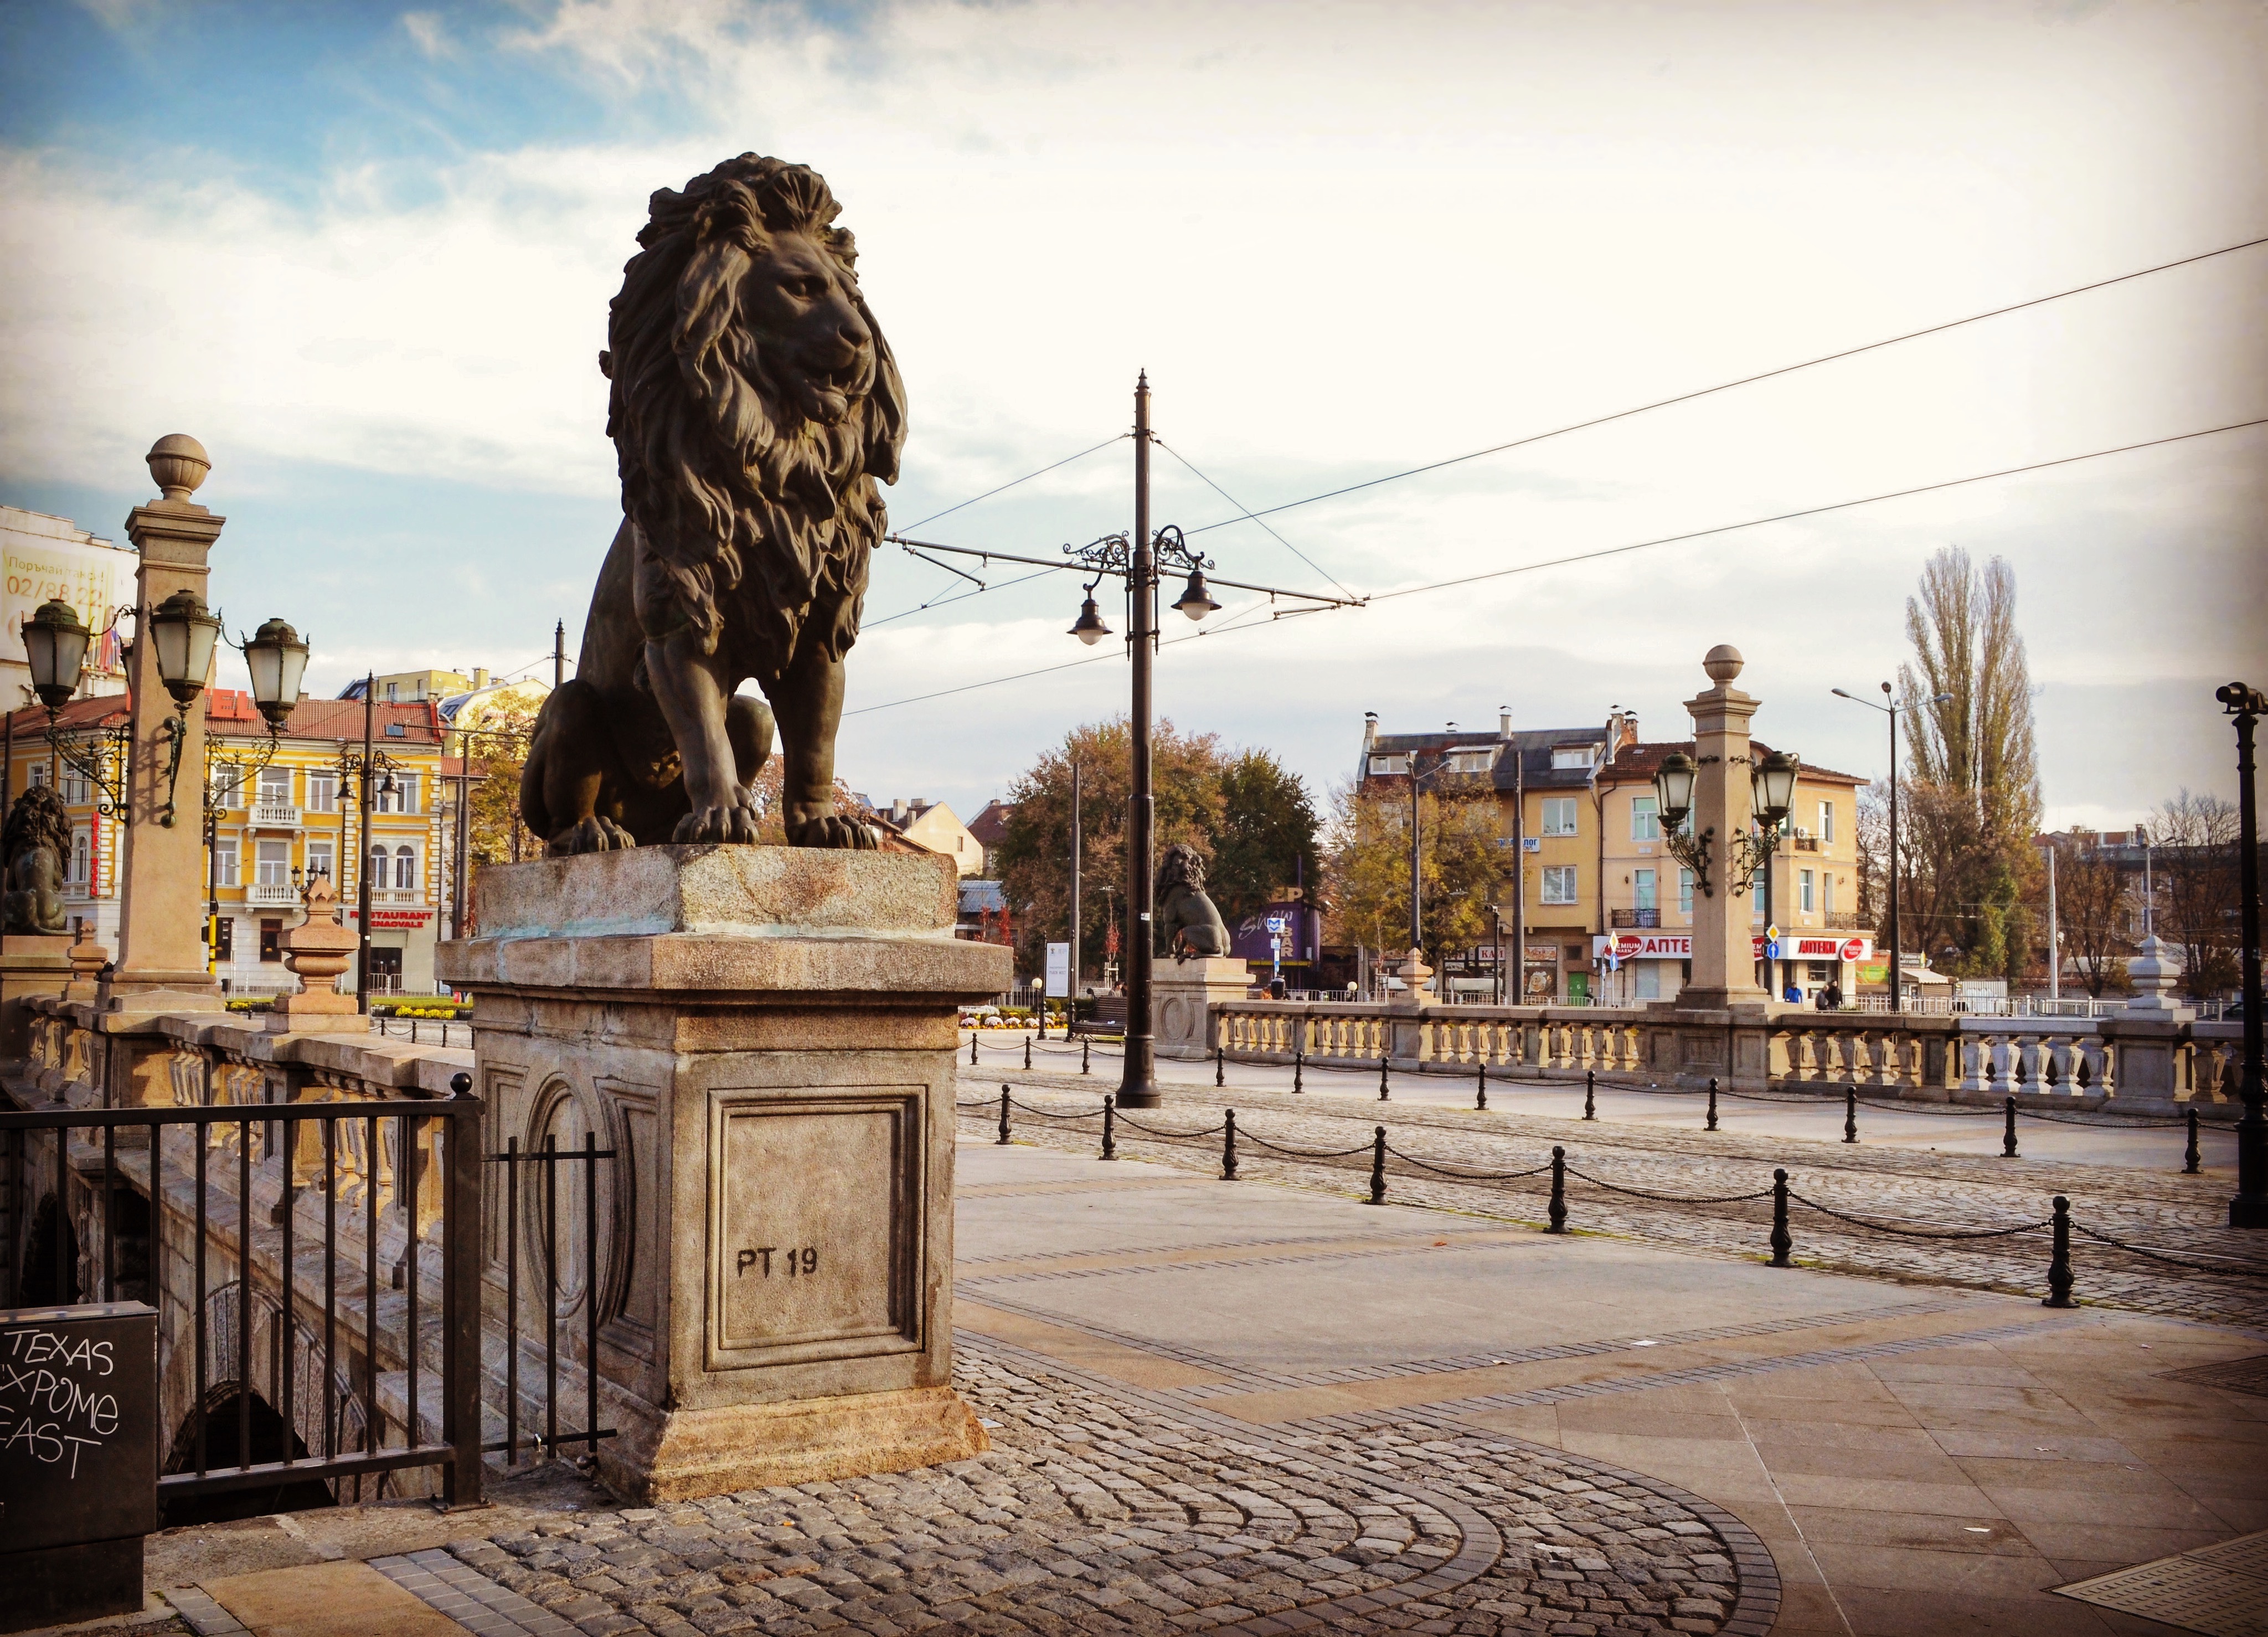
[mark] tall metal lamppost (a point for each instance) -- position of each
(2250, 1207)
(1139, 560)
(1892, 710)
(359, 771)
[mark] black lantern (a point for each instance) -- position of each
(1090, 629)
(1673, 788)
(54, 644)
(183, 631)
(278, 659)
(1196, 598)
(1771, 786)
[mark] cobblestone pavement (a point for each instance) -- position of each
(1919, 1192)
(1105, 1509)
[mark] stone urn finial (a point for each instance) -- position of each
(87, 959)
(1723, 663)
(2154, 969)
(318, 951)
(1414, 976)
(179, 462)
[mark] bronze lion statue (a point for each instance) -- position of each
(1186, 919)
(34, 846)
(755, 406)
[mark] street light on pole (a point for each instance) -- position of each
(2250, 1207)
(1139, 560)
(1891, 710)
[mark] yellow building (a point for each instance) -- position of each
(1608, 910)
(935, 827)
(268, 831)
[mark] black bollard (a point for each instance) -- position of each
(1004, 1118)
(2059, 1267)
(1590, 1095)
(1558, 1211)
(1782, 1242)
(1028, 1054)
(1712, 1125)
(1381, 1080)
(972, 1048)
(1219, 1065)
(1851, 1114)
(1084, 1043)
(1110, 1122)
(1299, 1071)
(2192, 1159)
(1228, 1146)
(2008, 1134)
(1378, 1166)
(1480, 1097)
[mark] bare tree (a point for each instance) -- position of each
(1973, 799)
(2193, 838)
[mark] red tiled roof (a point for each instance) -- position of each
(990, 826)
(230, 712)
(1638, 762)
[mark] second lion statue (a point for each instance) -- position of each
(755, 406)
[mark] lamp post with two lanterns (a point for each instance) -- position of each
(1138, 561)
(1749, 854)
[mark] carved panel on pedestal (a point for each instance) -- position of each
(815, 1232)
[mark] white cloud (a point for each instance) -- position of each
(1341, 242)
(429, 34)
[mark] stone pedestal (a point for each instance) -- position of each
(1182, 992)
(764, 1037)
(31, 963)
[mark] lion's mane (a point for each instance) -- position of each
(730, 482)
(1183, 865)
(36, 819)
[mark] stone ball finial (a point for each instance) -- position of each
(179, 462)
(1723, 662)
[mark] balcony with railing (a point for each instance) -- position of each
(1633, 917)
(275, 816)
(1846, 921)
(272, 896)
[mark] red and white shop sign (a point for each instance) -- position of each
(1679, 947)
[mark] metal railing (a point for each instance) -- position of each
(404, 1174)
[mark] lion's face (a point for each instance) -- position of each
(820, 347)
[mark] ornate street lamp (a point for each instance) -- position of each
(1771, 787)
(277, 659)
(2249, 1208)
(54, 644)
(1089, 628)
(1673, 794)
(1196, 600)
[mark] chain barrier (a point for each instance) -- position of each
(1467, 1177)
(1920, 1233)
(1642, 1193)
(2249, 1270)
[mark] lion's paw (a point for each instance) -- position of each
(595, 834)
(727, 824)
(833, 831)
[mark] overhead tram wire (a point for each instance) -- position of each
(1249, 514)
(1609, 551)
(1705, 392)
(1025, 478)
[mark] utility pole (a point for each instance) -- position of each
(559, 655)
(2055, 934)
(1137, 1088)
(1519, 997)
(362, 841)
(1897, 979)
(1416, 922)
(1071, 1007)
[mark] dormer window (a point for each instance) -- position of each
(1389, 764)
(1571, 755)
(1469, 761)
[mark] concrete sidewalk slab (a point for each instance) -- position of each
(328, 1600)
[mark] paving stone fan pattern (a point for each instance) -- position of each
(1109, 1511)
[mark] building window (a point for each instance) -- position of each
(1469, 761)
(393, 692)
(403, 798)
(1685, 894)
(82, 854)
(1646, 821)
(225, 862)
(1826, 821)
(1803, 891)
(1559, 815)
(271, 940)
(322, 792)
(1642, 890)
(319, 860)
(1558, 884)
(405, 867)
(275, 787)
(225, 948)
(271, 863)
(378, 855)
(1571, 755)
(1757, 898)
(227, 786)
(1389, 764)
(1646, 980)
(1827, 894)
(39, 773)
(74, 788)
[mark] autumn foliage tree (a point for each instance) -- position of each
(1461, 867)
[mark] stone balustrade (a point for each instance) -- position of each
(1940, 1058)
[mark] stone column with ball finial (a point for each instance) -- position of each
(162, 875)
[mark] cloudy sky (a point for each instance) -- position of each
(364, 254)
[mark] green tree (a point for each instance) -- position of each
(1264, 839)
(1461, 868)
(1035, 854)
